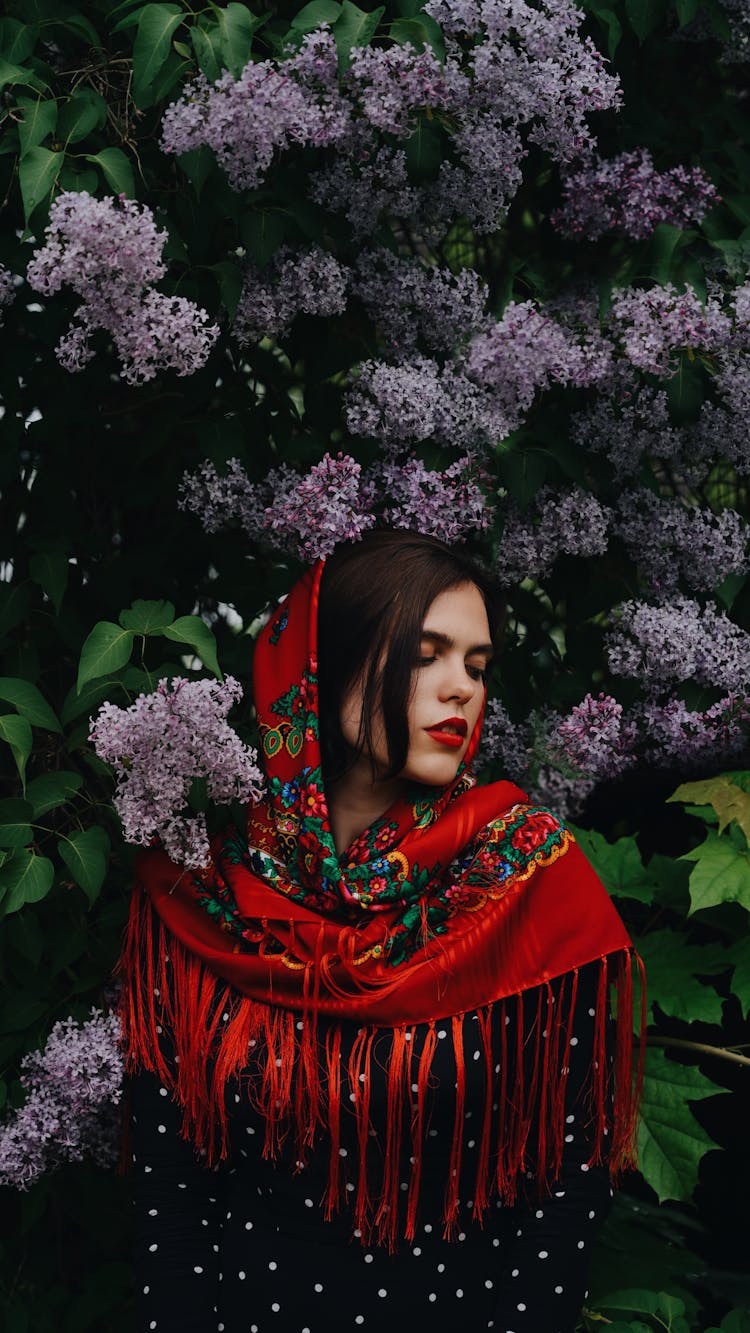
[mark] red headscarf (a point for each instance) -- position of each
(456, 900)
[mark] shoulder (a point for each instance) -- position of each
(513, 844)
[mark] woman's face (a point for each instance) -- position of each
(447, 689)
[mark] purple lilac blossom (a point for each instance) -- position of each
(412, 303)
(392, 84)
(365, 188)
(73, 1091)
(627, 194)
(220, 501)
(669, 731)
(668, 540)
(596, 739)
(420, 400)
(662, 645)
(159, 745)
(449, 504)
(528, 350)
(302, 282)
(558, 523)
(482, 183)
(653, 325)
(7, 289)
(309, 515)
(245, 121)
(109, 252)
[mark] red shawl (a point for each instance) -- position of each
(456, 900)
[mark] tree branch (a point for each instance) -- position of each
(702, 1048)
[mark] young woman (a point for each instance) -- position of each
(374, 1079)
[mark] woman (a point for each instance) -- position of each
(380, 1016)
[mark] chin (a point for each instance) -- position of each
(433, 773)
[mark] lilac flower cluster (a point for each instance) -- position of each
(400, 405)
(109, 252)
(529, 753)
(627, 194)
(7, 289)
(159, 745)
(73, 1090)
(668, 540)
(310, 514)
(449, 504)
(303, 282)
(528, 350)
(596, 739)
(364, 187)
(336, 501)
(412, 304)
(572, 522)
(266, 110)
(652, 325)
(681, 640)
(392, 84)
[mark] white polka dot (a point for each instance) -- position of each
(147, 1168)
(242, 1275)
(544, 1254)
(360, 1319)
(569, 1119)
(152, 1212)
(515, 1272)
(521, 1306)
(442, 1033)
(581, 1244)
(459, 1292)
(584, 1166)
(462, 1235)
(181, 1186)
(496, 1242)
(592, 1213)
(162, 1129)
(146, 1290)
(441, 1268)
(538, 1213)
(432, 1296)
(368, 1258)
(382, 1291)
(417, 1251)
(273, 1266)
(308, 1203)
(152, 1324)
(428, 1226)
(276, 1307)
(568, 1138)
(163, 1092)
(318, 1286)
(197, 1268)
(342, 1152)
(592, 1013)
(574, 1041)
(153, 1247)
(488, 1284)
(559, 1194)
(248, 1226)
(558, 1291)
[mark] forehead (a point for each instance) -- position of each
(460, 613)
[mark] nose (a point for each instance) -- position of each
(456, 683)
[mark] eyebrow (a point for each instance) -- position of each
(436, 636)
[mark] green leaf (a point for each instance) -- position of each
(157, 25)
(611, 23)
(116, 170)
(420, 31)
(643, 15)
(318, 11)
(11, 74)
(618, 864)
(39, 120)
(721, 873)
(86, 854)
(147, 617)
(107, 648)
(29, 702)
(424, 151)
(739, 956)
(262, 232)
(17, 733)
(207, 47)
(37, 175)
(666, 241)
(85, 110)
(673, 966)
(50, 569)
(229, 278)
(638, 1301)
(82, 27)
(15, 826)
(25, 878)
(686, 11)
(52, 789)
(195, 632)
(671, 1143)
(76, 704)
(15, 601)
(236, 28)
(354, 27)
(729, 801)
(17, 40)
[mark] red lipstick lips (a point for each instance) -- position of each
(451, 731)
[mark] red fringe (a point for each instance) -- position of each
(219, 1037)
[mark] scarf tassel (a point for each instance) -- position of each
(205, 1041)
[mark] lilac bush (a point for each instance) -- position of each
(659, 645)
(73, 1088)
(306, 282)
(159, 745)
(572, 522)
(109, 251)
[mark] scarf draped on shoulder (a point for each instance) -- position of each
(457, 900)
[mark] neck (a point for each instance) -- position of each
(356, 800)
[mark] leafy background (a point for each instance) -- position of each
(89, 472)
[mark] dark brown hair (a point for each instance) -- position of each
(374, 597)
